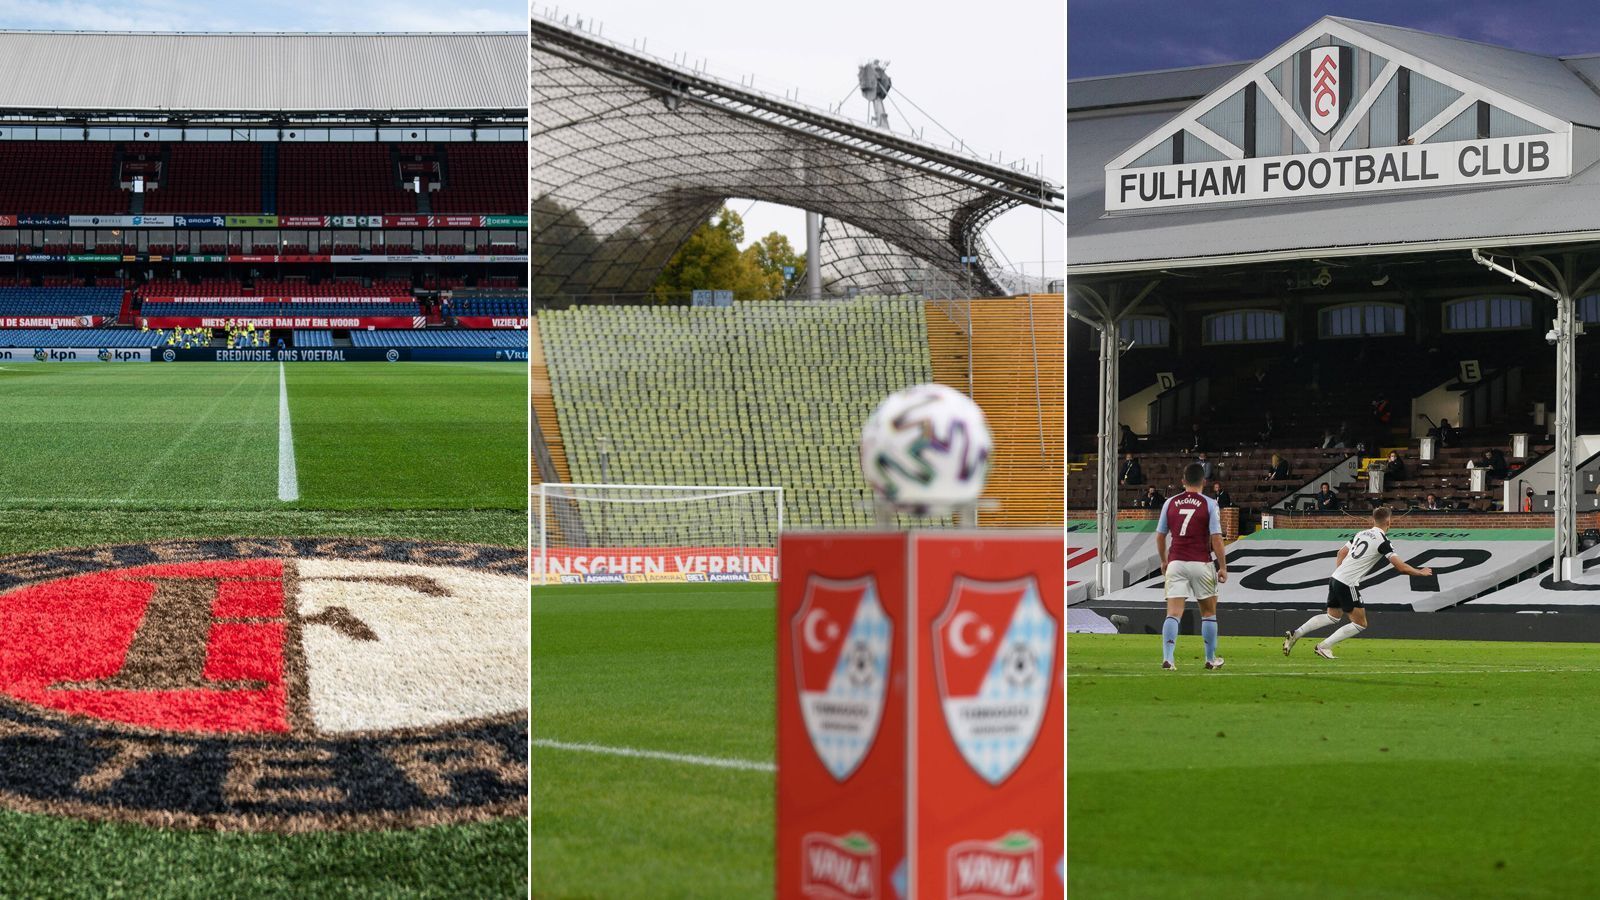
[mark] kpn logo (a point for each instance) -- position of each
(263, 684)
(1006, 869)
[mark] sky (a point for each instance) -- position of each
(1102, 39)
(995, 80)
(279, 15)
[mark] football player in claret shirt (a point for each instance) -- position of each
(1357, 559)
(1193, 564)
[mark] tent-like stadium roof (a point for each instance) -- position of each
(62, 73)
(631, 154)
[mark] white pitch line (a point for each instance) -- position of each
(1330, 670)
(288, 482)
(718, 762)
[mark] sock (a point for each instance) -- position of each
(1208, 631)
(1169, 637)
(1318, 621)
(1348, 631)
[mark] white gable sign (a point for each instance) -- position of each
(1329, 114)
(1341, 173)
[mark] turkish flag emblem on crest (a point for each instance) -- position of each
(994, 657)
(841, 640)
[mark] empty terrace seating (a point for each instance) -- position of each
(484, 178)
(488, 306)
(313, 338)
(78, 337)
(322, 179)
(207, 287)
(507, 339)
(254, 308)
(61, 177)
(754, 394)
(65, 301)
(1016, 358)
(209, 178)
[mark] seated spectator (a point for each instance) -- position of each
(1341, 438)
(1431, 503)
(1197, 439)
(1279, 470)
(1527, 501)
(1132, 473)
(1395, 467)
(1327, 500)
(1223, 498)
(1327, 439)
(1204, 464)
(1447, 433)
(1152, 499)
(1497, 464)
(1264, 436)
(1126, 440)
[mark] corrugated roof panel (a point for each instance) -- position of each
(263, 72)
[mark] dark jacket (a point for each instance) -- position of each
(1131, 473)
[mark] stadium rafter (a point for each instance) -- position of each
(631, 153)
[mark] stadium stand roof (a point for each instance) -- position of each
(631, 153)
(60, 73)
(1109, 115)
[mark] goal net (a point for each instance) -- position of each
(640, 533)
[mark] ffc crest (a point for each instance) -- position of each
(842, 641)
(994, 658)
(1323, 95)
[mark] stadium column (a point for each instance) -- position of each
(1105, 313)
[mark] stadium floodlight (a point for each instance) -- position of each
(622, 533)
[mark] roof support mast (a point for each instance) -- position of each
(1105, 314)
(1561, 285)
(874, 86)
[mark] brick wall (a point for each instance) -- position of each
(1230, 519)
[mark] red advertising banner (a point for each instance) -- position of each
(408, 221)
(51, 321)
(921, 748)
(990, 690)
(284, 321)
(492, 321)
(842, 702)
(457, 221)
(254, 299)
(612, 565)
(8, 221)
(247, 258)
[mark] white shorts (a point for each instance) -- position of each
(1189, 579)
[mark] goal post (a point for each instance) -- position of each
(654, 533)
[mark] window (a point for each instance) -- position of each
(1244, 326)
(1144, 331)
(1588, 307)
(1362, 320)
(1488, 314)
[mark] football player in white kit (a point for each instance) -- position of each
(1357, 559)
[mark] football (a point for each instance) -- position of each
(925, 450)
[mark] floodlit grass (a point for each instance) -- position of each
(1405, 769)
(678, 668)
(191, 435)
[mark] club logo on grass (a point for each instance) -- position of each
(265, 684)
(994, 658)
(839, 868)
(1007, 869)
(841, 649)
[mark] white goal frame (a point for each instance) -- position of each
(544, 492)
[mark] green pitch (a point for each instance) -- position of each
(685, 669)
(1405, 769)
(51, 856)
(164, 435)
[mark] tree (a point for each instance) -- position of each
(711, 260)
